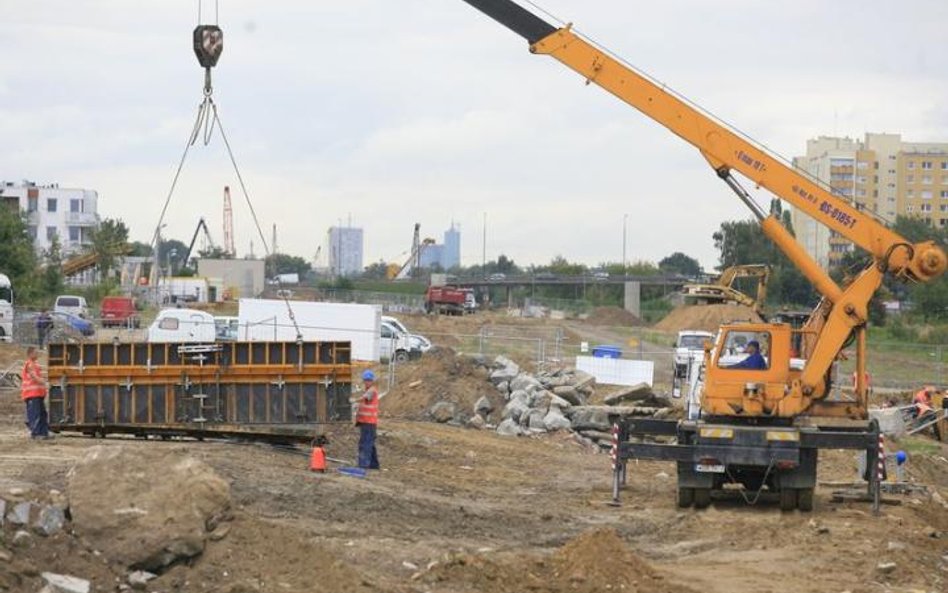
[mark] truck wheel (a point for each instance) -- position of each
(686, 497)
(788, 499)
(401, 356)
(805, 499)
(702, 498)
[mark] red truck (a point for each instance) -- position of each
(449, 300)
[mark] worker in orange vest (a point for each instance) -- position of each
(33, 392)
(367, 419)
(925, 409)
(923, 401)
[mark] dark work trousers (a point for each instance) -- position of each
(36, 417)
(368, 456)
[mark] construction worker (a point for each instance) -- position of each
(367, 419)
(43, 324)
(755, 360)
(33, 392)
(923, 401)
(925, 410)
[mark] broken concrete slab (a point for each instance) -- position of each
(524, 381)
(63, 583)
(145, 508)
(51, 520)
(20, 513)
(139, 579)
(483, 406)
(558, 402)
(508, 428)
(636, 392)
(569, 393)
(583, 379)
(535, 420)
(477, 421)
(555, 420)
(504, 387)
(514, 409)
(443, 412)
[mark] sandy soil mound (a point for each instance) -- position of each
(595, 561)
(706, 317)
(444, 377)
(612, 316)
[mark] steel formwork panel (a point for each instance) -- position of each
(109, 386)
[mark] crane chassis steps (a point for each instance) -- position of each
(711, 455)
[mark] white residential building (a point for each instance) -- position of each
(52, 211)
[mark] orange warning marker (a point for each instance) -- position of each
(317, 461)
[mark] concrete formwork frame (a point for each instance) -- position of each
(203, 389)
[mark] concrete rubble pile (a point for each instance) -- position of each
(557, 399)
(141, 510)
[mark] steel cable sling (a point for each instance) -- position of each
(208, 43)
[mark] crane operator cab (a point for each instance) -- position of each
(748, 370)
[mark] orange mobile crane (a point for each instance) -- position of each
(761, 426)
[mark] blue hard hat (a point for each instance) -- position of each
(368, 375)
(900, 457)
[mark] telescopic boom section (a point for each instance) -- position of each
(723, 148)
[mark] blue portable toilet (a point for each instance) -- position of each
(607, 352)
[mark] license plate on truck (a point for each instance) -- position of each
(709, 468)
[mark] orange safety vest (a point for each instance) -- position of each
(29, 387)
(368, 412)
(922, 402)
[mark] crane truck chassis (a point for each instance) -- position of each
(759, 426)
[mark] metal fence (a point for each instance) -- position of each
(892, 366)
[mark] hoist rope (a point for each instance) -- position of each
(205, 122)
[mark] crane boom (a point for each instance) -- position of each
(724, 148)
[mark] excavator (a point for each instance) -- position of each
(724, 291)
(756, 427)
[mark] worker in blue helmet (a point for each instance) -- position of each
(755, 360)
(367, 419)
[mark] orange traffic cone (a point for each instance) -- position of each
(317, 461)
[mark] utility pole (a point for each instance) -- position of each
(625, 218)
(484, 249)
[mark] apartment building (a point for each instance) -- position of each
(881, 174)
(69, 214)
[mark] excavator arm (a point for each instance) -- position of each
(725, 149)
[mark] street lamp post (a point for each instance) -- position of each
(625, 218)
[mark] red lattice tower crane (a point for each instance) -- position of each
(228, 224)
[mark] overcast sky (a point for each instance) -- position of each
(397, 111)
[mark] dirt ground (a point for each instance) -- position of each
(460, 510)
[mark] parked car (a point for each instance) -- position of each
(395, 344)
(601, 275)
(74, 305)
(545, 276)
(119, 311)
(418, 342)
(497, 276)
(72, 323)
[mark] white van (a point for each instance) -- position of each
(74, 305)
(6, 309)
(418, 341)
(396, 344)
(183, 325)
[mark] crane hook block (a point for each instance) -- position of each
(208, 44)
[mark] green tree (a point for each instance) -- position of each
(561, 267)
(679, 263)
(109, 240)
(51, 279)
(281, 263)
(743, 242)
(376, 271)
(17, 256)
(139, 249)
(214, 252)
